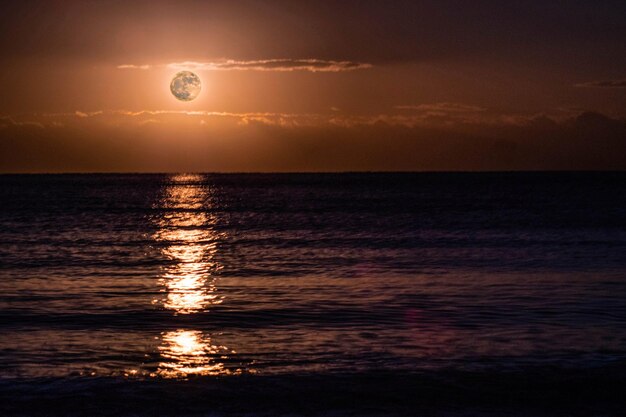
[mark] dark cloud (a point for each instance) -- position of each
(605, 84)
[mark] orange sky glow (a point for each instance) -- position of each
(296, 86)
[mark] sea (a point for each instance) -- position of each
(351, 294)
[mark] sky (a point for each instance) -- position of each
(291, 85)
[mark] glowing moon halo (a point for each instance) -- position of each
(185, 86)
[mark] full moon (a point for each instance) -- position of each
(185, 86)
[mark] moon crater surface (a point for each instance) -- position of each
(185, 86)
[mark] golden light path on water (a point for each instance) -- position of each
(188, 239)
(190, 352)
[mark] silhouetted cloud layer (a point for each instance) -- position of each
(164, 140)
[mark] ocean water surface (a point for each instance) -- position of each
(313, 294)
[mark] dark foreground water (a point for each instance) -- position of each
(352, 294)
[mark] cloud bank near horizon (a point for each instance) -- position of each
(170, 141)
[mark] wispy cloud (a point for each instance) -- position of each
(87, 114)
(10, 121)
(280, 65)
(460, 116)
(445, 113)
(443, 108)
(142, 117)
(275, 65)
(131, 66)
(604, 84)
